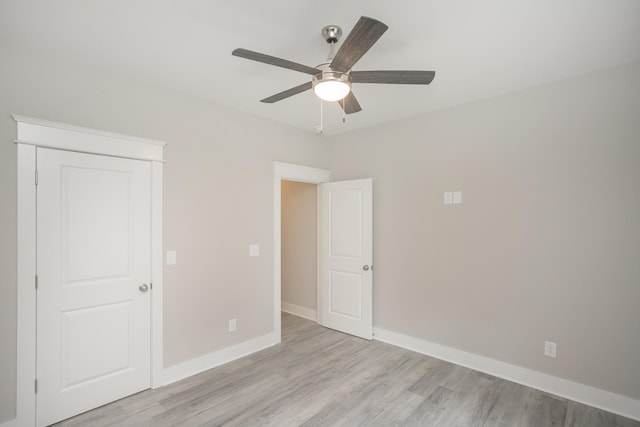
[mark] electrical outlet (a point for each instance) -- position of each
(550, 349)
(232, 325)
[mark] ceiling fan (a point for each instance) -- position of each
(331, 80)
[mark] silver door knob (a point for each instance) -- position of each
(365, 267)
(143, 288)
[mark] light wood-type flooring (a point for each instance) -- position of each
(320, 377)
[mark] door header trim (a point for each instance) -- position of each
(45, 133)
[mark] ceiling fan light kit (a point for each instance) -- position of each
(331, 85)
(332, 80)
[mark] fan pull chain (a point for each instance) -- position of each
(321, 130)
(344, 114)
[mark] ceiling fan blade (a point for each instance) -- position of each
(287, 93)
(272, 60)
(350, 104)
(364, 34)
(399, 77)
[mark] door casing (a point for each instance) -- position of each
(289, 172)
(33, 133)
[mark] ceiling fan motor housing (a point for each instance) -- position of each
(330, 75)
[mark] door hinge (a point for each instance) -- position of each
(36, 176)
(36, 282)
(35, 383)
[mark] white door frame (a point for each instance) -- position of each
(33, 133)
(289, 172)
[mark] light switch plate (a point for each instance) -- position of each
(254, 250)
(448, 197)
(171, 257)
(457, 197)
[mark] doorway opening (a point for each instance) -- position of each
(299, 249)
(296, 174)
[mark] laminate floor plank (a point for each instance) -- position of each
(384, 386)
(579, 415)
(506, 401)
(320, 377)
(542, 409)
(397, 411)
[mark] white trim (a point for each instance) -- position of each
(44, 133)
(582, 393)
(289, 172)
(26, 295)
(90, 131)
(277, 255)
(299, 311)
(157, 263)
(208, 361)
(41, 133)
(298, 173)
(319, 264)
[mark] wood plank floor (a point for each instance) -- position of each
(320, 377)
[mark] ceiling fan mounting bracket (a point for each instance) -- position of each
(332, 33)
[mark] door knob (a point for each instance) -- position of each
(143, 288)
(365, 267)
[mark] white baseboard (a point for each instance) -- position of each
(208, 361)
(200, 364)
(588, 395)
(582, 393)
(299, 311)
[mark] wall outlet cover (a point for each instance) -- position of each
(457, 197)
(550, 349)
(254, 250)
(448, 197)
(171, 257)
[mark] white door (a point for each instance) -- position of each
(93, 262)
(346, 276)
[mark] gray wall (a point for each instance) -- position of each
(218, 197)
(299, 244)
(546, 245)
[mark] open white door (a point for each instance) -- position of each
(93, 297)
(346, 276)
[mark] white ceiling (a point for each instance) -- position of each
(479, 49)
